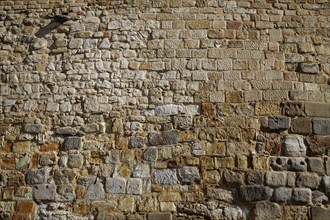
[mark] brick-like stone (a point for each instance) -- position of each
(288, 163)
(279, 122)
(165, 177)
(33, 128)
(116, 185)
(301, 196)
(276, 178)
(137, 142)
(134, 186)
(189, 174)
(312, 68)
(321, 126)
(255, 178)
(159, 216)
(293, 108)
(150, 154)
(267, 210)
(45, 192)
(169, 109)
(318, 145)
(320, 213)
(294, 146)
(282, 195)
(164, 138)
(255, 193)
(316, 165)
(301, 126)
(36, 176)
(309, 180)
(95, 191)
(72, 143)
(317, 109)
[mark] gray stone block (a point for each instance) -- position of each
(325, 185)
(165, 177)
(321, 126)
(116, 185)
(95, 192)
(33, 128)
(294, 146)
(327, 166)
(141, 171)
(301, 126)
(310, 180)
(315, 164)
(301, 196)
(164, 138)
(220, 194)
(36, 176)
(255, 193)
(169, 109)
(279, 122)
(66, 131)
(288, 163)
(150, 154)
(75, 161)
(189, 174)
(72, 143)
(276, 178)
(159, 216)
(317, 109)
(319, 198)
(255, 178)
(312, 68)
(137, 142)
(282, 194)
(45, 192)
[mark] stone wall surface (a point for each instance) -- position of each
(164, 109)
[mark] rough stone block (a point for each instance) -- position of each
(164, 138)
(288, 163)
(301, 196)
(282, 194)
(301, 126)
(66, 131)
(255, 193)
(165, 177)
(33, 177)
(137, 142)
(150, 154)
(310, 180)
(159, 216)
(315, 165)
(72, 143)
(279, 122)
(189, 174)
(318, 145)
(46, 192)
(32, 128)
(320, 213)
(327, 166)
(317, 109)
(75, 161)
(267, 210)
(220, 194)
(293, 108)
(294, 146)
(134, 186)
(126, 204)
(319, 198)
(321, 126)
(95, 192)
(276, 178)
(169, 109)
(255, 178)
(312, 68)
(116, 185)
(22, 147)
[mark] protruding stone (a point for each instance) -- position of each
(95, 192)
(309, 180)
(189, 174)
(116, 185)
(72, 143)
(294, 146)
(282, 194)
(302, 195)
(288, 163)
(312, 68)
(165, 177)
(276, 178)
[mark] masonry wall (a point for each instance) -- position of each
(164, 109)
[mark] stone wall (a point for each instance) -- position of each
(164, 109)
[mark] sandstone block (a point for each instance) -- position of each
(267, 210)
(165, 177)
(301, 126)
(276, 178)
(318, 145)
(220, 194)
(255, 178)
(317, 109)
(320, 213)
(315, 165)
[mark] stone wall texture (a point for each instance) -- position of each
(165, 109)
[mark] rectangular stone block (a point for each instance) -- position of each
(301, 126)
(169, 109)
(279, 122)
(32, 128)
(72, 143)
(159, 216)
(317, 109)
(321, 126)
(46, 192)
(320, 213)
(198, 24)
(165, 177)
(116, 185)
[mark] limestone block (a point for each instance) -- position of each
(267, 210)
(301, 196)
(321, 126)
(115, 185)
(72, 143)
(165, 177)
(189, 174)
(282, 194)
(44, 192)
(32, 128)
(276, 178)
(294, 146)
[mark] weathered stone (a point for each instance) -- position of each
(126, 204)
(327, 166)
(183, 122)
(95, 191)
(318, 145)
(294, 146)
(159, 216)
(301, 195)
(255, 178)
(317, 109)
(46, 192)
(165, 177)
(288, 163)
(134, 186)
(295, 212)
(75, 161)
(189, 174)
(164, 138)
(315, 165)
(116, 185)
(282, 195)
(276, 178)
(66, 193)
(136, 142)
(319, 198)
(321, 126)
(255, 193)
(220, 194)
(150, 154)
(325, 185)
(312, 68)
(279, 122)
(267, 210)
(141, 171)
(233, 178)
(169, 109)
(293, 108)
(320, 213)
(310, 180)
(72, 143)
(301, 126)
(47, 159)
(22, 147)
(36, 176)
(32, 128)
